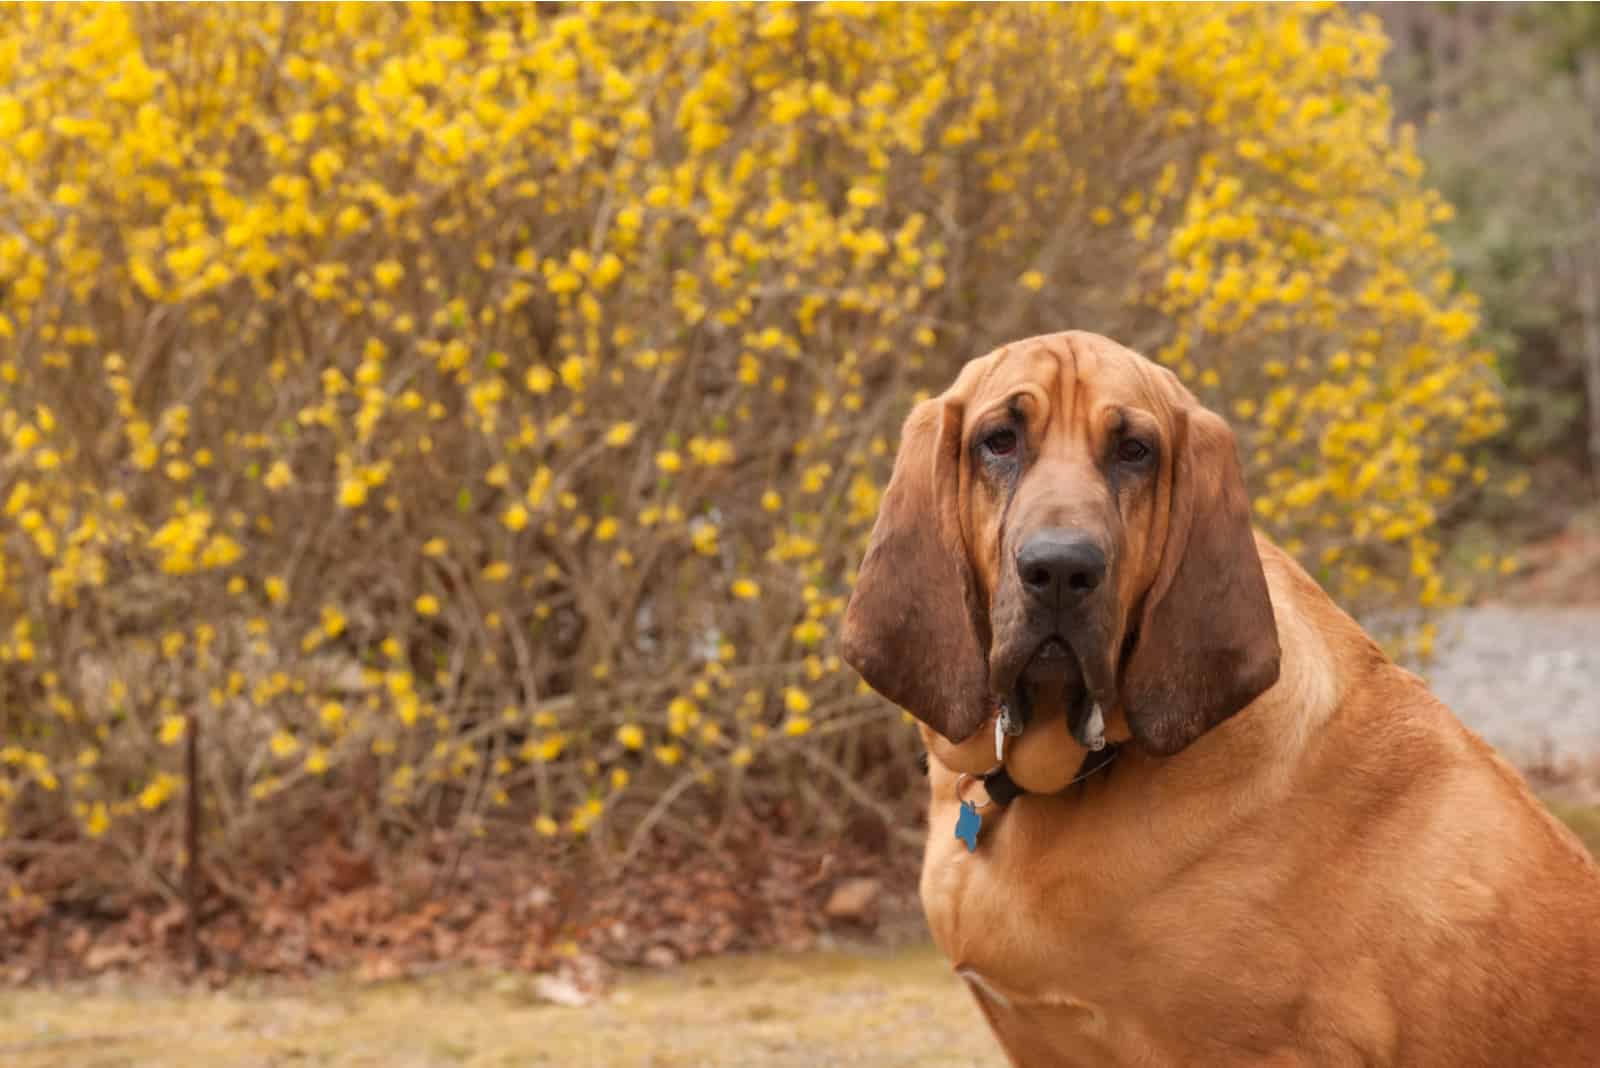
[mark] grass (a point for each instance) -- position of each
(892, 1008)
(889, 1008)
(1584, 821)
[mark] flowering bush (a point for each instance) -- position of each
(477, 412)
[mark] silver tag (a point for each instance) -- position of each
(1094, 729)
(1005, 726)
(1010, 721)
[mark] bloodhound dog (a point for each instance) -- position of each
(1230, 831)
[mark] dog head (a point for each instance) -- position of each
(1065, 527)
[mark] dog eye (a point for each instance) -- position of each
(1132, 450)
(1002, 442)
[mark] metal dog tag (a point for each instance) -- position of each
(1006, 725)
(968, 824)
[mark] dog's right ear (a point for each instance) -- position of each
(914, 628)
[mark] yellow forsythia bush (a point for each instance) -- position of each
(476, 413)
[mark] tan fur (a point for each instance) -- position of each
(1339, 874)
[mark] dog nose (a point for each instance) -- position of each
(1057, 564)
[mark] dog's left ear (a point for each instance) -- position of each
(1207, 643)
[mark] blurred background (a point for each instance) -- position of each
(436, 444)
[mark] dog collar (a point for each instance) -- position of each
(1003, 789)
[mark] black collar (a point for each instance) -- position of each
(1003, 789)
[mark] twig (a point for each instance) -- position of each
(192, 892)
(658, 810)
(891, 820)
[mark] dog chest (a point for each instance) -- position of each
(1012, 937)
(1071, 965)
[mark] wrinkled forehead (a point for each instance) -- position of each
(1072, 372)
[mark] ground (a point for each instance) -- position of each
(884, 1008)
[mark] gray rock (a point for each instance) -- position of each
(1526, 678)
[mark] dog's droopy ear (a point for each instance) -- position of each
(912, 628)
(1207, 643)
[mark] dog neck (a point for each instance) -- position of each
(1320, 645)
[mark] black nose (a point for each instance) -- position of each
(1060, 564)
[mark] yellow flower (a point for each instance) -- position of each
(1033, 280)
(682, 714)
(630, 736)
(220, 551)
(172, 729)
(619, 434)
(427, 605)
(539, 487)
(331, 714)
(388, 274)
(608, 270)
(795, 700)
(547, 750)
(572, 374)
(539, 379)
(158, 791)
(352, 492)
(278, 476)
(704, 538)
(745, 589)
(861, 196)
(809, 632)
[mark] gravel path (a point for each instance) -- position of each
(1525, 677)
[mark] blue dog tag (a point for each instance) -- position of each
(968, 824)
